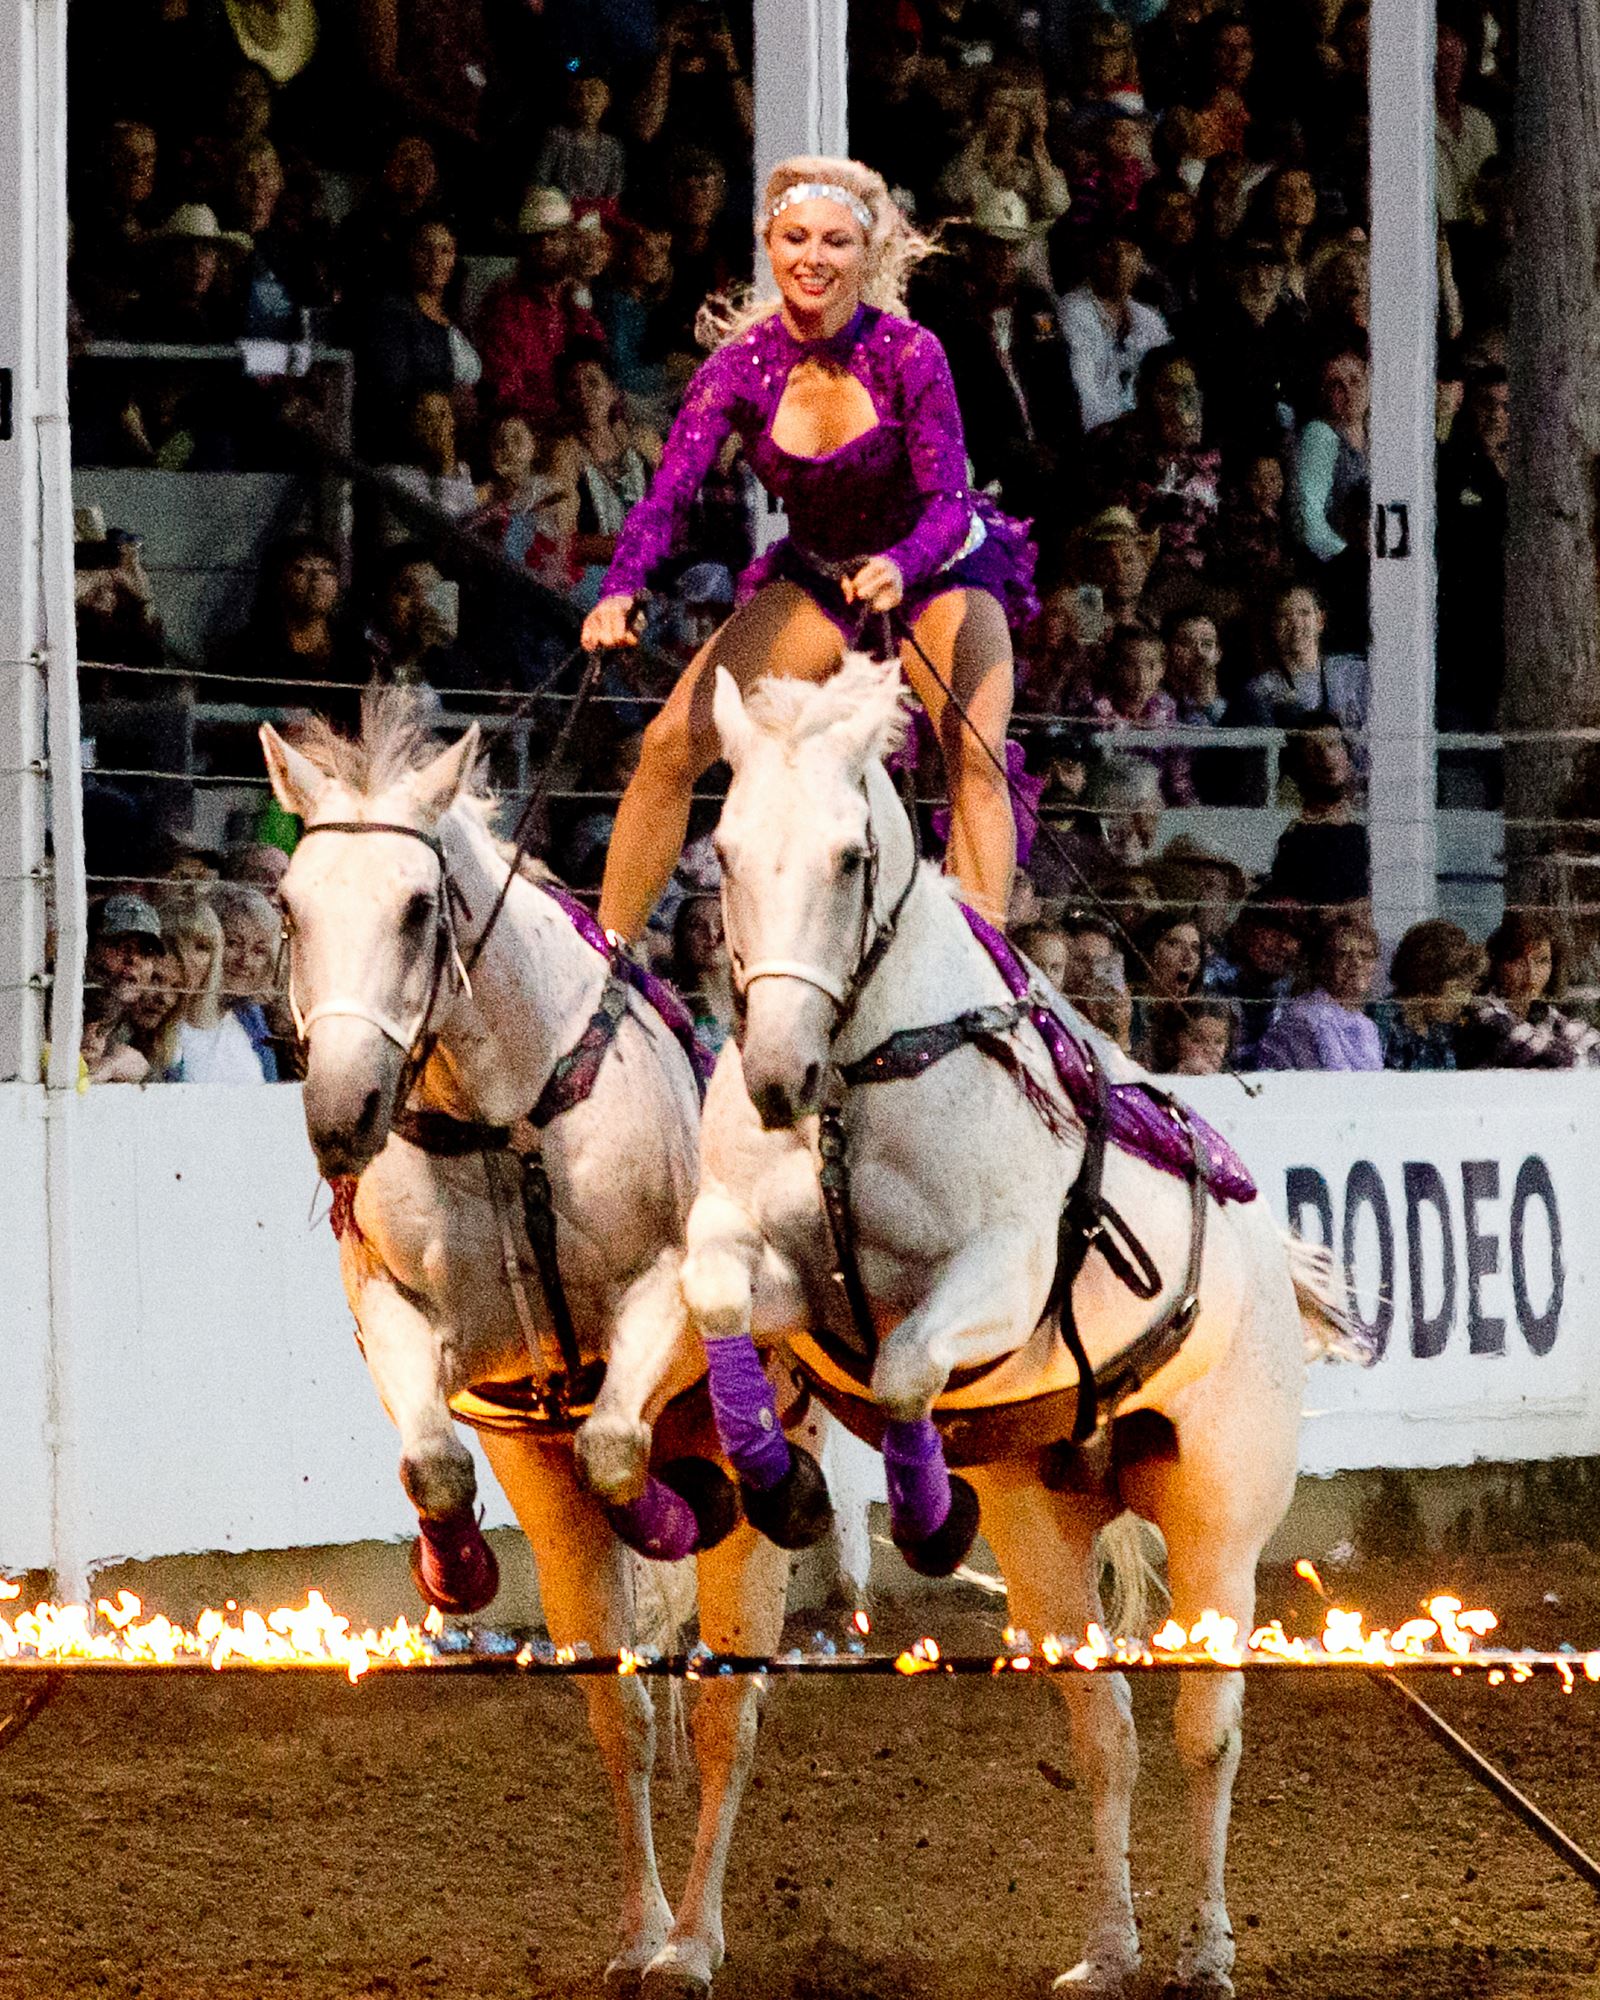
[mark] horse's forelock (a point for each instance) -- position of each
(395, 739)
(794, 711)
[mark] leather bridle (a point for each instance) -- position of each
(874, 937)
(408, 1038)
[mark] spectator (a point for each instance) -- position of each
(1169, 225)
(578, 156)
(117, 620)
(1192, 1037)
(374, 244)
(1251, 352)
(412, 343)
(1257, 970)
(1046, 945)
(700, 969)
(631, 305)
(614, 459)
(593, 247)
(433, 470)
(111, 220)
(428, 64)
(1008, 153)
(1225, 111)
(252, 931)
(1326, 1026)
(529, 502)
(1471, 542)
(1282, 216)
(1194, 667)
(106, 1055)
(1091, 957)
(410, 637)
(1322, 860)
(1330, 479)
(257, 865)
(1212, 887)
(155, 1016)
(191, 295)
(1007, 357)
(293, 634)
(1253, 556)
(696, 92)
(530, 319)
(1432, 975)
(708, 257)
(1132, 695)
(1513, 1024)
(1155, 462)
(212, 1045)
(1464, 137)
(1117, 557)
(1109, 332)
(280, 275)
(1126, 794)
(1299, 681)
(1168, 964)
(124, 948)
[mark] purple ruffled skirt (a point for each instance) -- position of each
(1002, 564)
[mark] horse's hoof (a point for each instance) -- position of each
(1092, 1980)
(452, 1565)
(796, 1513)
(711, 1497)
(943, 1552)
(1203, 1986)
(682, 1970)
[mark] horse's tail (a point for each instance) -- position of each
(1130, 1549)
(664, 1600)
(1322, 1292)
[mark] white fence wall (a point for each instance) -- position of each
(219, 1402)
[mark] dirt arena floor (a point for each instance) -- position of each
(214, 1840)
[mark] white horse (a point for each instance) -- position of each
(393, 881)
(957, 1185)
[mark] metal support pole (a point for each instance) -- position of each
(1401, 453)
(22, 780)
(800, 80)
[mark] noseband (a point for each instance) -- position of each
(446, 950)
(871, 947)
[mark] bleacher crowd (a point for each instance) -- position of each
(1152, 286)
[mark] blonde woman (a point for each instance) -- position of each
(848, 416)
(211, 1043)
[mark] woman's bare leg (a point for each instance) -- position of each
(964, 633)
(780, 631)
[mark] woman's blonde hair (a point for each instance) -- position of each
(191, 920)
(895, 246)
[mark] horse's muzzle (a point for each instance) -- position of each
(780, 1106)
(348, 1105)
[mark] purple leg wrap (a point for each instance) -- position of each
(918, 1481)
(454, 1566)
(660, 1523)
(746, 1412)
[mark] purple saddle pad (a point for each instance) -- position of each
(1138, 1121)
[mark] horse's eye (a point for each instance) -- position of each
(850, 861)
(418, 911)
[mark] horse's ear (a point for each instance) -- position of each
(437, 785)
(727, 709)
(297, 784)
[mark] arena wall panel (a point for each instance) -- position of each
(219, 1402)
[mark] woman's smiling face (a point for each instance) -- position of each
(818, 252)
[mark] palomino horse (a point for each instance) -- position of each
(934, 1184)
(395, 878)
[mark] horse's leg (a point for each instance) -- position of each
(782, 1488)
(978, 1309)
(1044, 1543)
(453, 1565)
(742, 1587)
(586, 1588)
(649, 1352)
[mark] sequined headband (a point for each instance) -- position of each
(823, 191)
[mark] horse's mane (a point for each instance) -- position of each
(793, 711)
(395, 739)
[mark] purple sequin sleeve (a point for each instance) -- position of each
(938, 456)
(653, 527)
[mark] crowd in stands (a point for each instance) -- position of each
(1152, 287)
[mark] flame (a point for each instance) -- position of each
(118, 1633)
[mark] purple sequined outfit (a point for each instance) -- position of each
(900, 489)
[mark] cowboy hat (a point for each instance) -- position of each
(196, 222)
(279, 35)
(1183, 858)
(543, 210)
